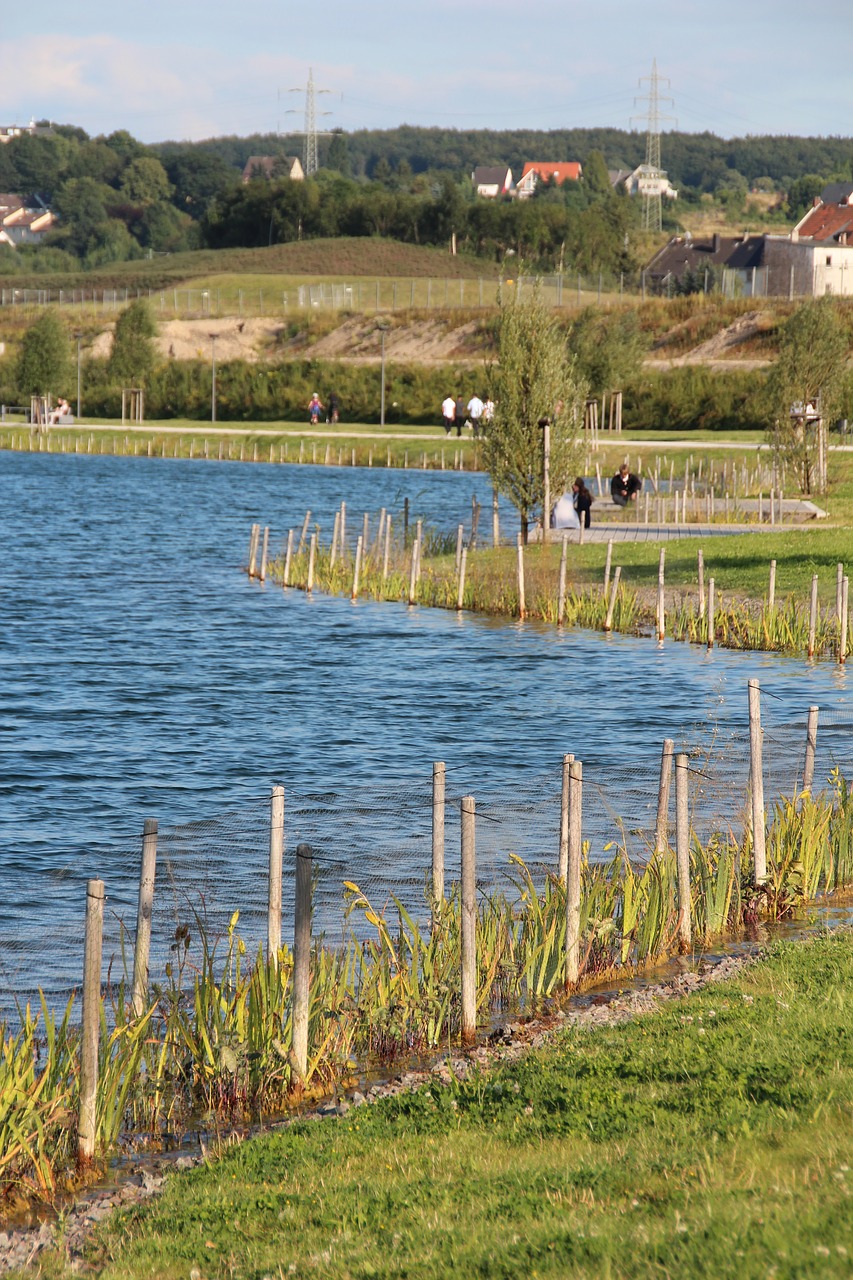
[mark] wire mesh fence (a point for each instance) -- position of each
(381, 839)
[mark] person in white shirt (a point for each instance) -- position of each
(448, 412)
(475, 412)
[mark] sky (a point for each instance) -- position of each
(191, 69)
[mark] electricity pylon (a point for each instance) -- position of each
(309, 150)
(652, 178)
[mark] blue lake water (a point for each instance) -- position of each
(142, 674)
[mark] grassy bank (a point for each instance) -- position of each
(709, 1139)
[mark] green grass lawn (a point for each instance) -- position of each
(710, 1139)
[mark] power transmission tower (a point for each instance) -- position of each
(652, 179)
(309, 150)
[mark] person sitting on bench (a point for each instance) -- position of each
(625, 486)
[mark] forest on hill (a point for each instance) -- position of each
(118, 199)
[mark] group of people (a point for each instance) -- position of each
(316, 408)
(476, 414)
(62, 409)
(575, 510)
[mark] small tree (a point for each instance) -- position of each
(44, 364)
(134, 354)
(609, 348)
(809, 370)
(535, 378)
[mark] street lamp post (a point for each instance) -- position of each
(78, 335)
(383, 327)
(212, 337)
(545, 424)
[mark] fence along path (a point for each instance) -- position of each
(381, 839)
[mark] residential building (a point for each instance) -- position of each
(492, 180)
(10, 131)
(22, 222)
(536, 171)
(270, 167)
(644, 181)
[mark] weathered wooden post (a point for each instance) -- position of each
(711, 614)
(496, 524)
(573, 874)
(842, 636)
(359, 546)
(91, 1021)
(145, 906)
(662, 820)
(839, 578)
(522, 608)
(682, 850)
(608, 560)
(312, 553)
(460, 538)
(413, 572)
(756, 779)
(771, 588)
(333, 550)
(387, 552)
(439, 779)
(301, 962)
(811, 747)
(608, 621)
(264, 554)
(469, 922)
(561, 587)
(460, 584)
(813, 616)
(288, 560)
(343, 531)
(304, 533)
(276, 859)
(701, 560)
(253, 549)
(563, 863)
(661, 598)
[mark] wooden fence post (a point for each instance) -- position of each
(711, 614)
(253, 549)
(813, 616)
(359, 548)
(563, 864)
(661, 598)
(573, 874)
(469, 922)
(312, 552)
(522, 608)
(460, 538)
(301, 962)
(756, 778)
(91, 1021)
(842, 630)
(682, 850)
(811, 748)
(264, 553)
(608, 621)
(839, 578)
(304, 533)
(333, 550)
(608, 560)
(439, 779)
(662, 820)
(142, 949)
(460, 586)
(771, 589)
(496, 524)
(276, 858)
(701, 558)
(288, 559)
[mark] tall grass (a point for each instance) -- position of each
(216, 1036)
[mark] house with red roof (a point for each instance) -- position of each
(536, 171)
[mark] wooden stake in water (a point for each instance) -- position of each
(662, 820)
(301, 962)
(563, 863)
(701, 560)
(387, 553)
(90, 1021)
(264, 553)
(312, 552)
(439, 778)
(573, 874)
(343, 533)
(608, 560)
(304, 533)
(842, 637)
(661, 596)
(359, 546)
(811, 748)
(460, 536)
(288, 559)
(608, 621)
(756, 778)
(839, 578)
(275, 871)
(522, 608)
(496, 524)
(469, 922)
(771, 589)
(682, 851)
(253, 549)
(813, 616)
(460, 583)
(144, 910)
(413, 572)
(561, 587)
(711, 618)
(333, 550)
